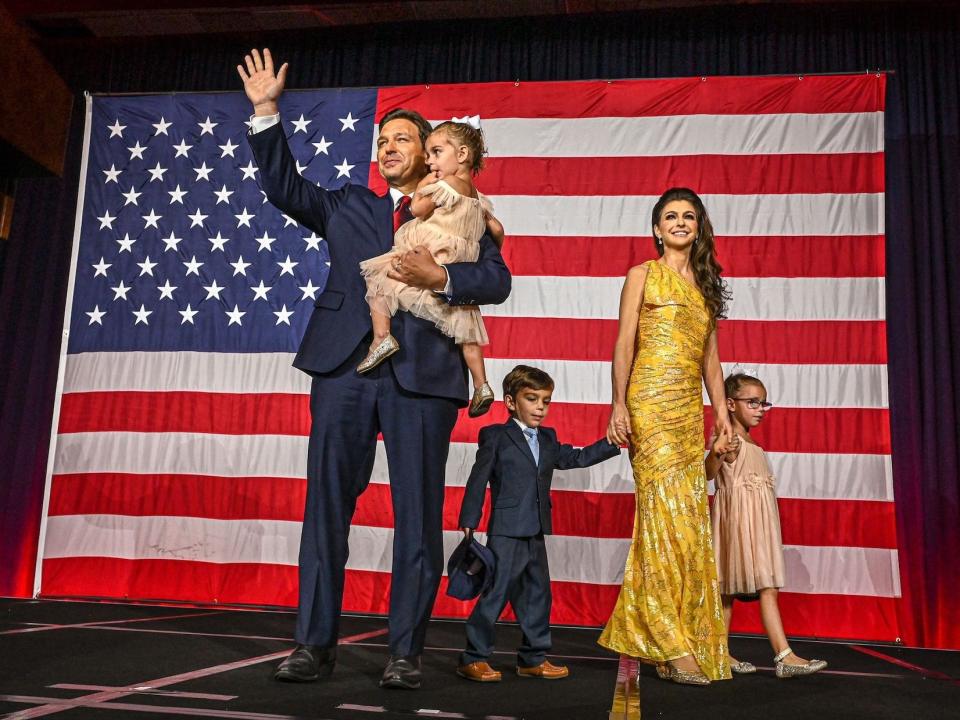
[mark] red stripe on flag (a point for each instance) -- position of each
(833, 342)
(709, 174)
(206, 496)
(180, 580)
(761, 256)
(839, 523)
(815, 430)
(831, 616)
(196, 412)
(628, 98)
(827, 256)
(812, 430)
(842, 523)
(826, 616)
(843, 430)
(861, 342)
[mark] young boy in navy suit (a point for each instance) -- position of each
(517, 458)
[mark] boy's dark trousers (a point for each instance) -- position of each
(522, 578)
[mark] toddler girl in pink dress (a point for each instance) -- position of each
(450, 217)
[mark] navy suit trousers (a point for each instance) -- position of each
(522, 577)
(348, 410)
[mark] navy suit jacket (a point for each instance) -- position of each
(358, 224)
(519, 488)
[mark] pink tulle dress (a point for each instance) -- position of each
(451, 234)
(746, 525)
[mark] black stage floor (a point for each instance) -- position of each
(110, 661)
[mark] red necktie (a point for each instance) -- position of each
(402, 213)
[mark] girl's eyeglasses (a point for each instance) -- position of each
(754, 403)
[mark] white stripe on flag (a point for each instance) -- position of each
(578, 381)
(663, 136)
(184, 371)
(845, 571)
(155, 537)
(799, 475)
(753, 298)
(854, 386)
(810, 569)
(863, 386)
(182, 454)
(807, 476)
(731, 215)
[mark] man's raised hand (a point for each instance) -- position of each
(262, 86)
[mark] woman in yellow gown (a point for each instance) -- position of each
(669, 610)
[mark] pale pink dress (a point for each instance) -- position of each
(451, 234)
(746, 525)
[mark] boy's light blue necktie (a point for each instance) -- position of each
(533, 442)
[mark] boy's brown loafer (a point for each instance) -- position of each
(479, 672)
(545, 671)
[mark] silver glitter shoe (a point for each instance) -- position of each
(785, 671)
(482, 400)
(743, 667)
(387, 347)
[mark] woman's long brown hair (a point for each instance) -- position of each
(703, 254)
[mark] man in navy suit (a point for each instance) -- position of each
(412, 399)
(517, 459)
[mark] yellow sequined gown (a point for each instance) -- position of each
(669, 604)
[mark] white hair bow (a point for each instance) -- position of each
(471, 120)
(739, 369)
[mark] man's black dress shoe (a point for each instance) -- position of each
(306, 664)
(402, 672)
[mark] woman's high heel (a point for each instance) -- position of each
(665, 671)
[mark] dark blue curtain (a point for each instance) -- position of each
(923, 331)
(33, 289)
(918, 41)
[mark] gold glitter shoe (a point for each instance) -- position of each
(387, 347)
(743, 667)
(482, 400)
(684, 677)
(785, 671)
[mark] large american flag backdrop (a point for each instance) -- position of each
(180, 442)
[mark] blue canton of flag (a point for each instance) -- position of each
(179, 248)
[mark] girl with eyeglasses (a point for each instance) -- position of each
(746, 524)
